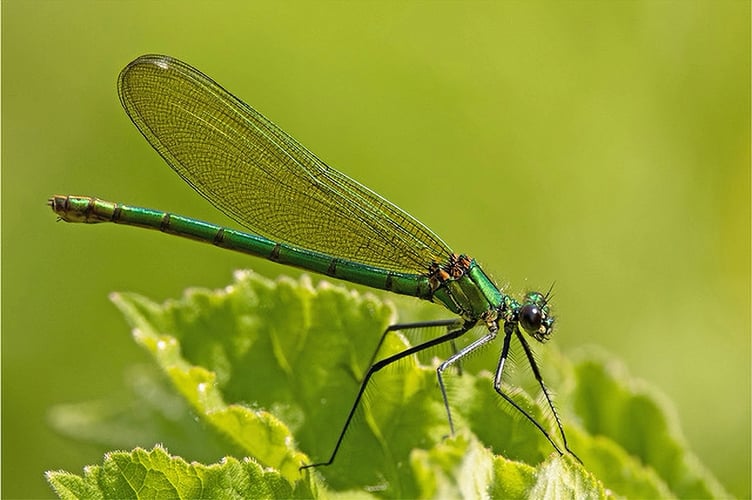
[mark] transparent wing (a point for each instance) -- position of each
(261, 177)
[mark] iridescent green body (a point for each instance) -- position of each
(304, 213)
(93, 210)
(470, 295)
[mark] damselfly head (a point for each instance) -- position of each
(535, 317)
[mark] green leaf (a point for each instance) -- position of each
(269, 370)
(156, 474)
(637, 447)
(558, 477)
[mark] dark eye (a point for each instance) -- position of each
(531, 318)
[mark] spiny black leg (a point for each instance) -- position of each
(410, 326)
(508, 329)
(386, 362)
(539, 378)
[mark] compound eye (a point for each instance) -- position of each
(531, 318)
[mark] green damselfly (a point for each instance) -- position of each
(306, 214)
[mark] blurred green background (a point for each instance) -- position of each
(605, 146)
